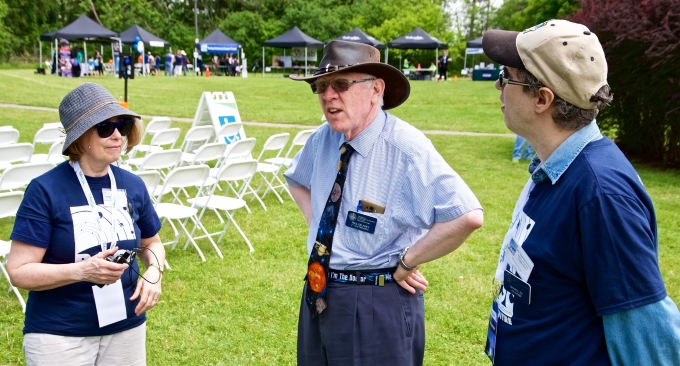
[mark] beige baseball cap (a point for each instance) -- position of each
(566, 57)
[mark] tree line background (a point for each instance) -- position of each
(640, 38)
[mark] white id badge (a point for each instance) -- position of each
(110, 302)
(121, 199)
(108, 197)
(519, 260)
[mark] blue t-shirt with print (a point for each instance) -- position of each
(594, 249)
(55, 215)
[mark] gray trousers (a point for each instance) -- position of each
(363, 325)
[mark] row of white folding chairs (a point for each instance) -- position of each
(48, 134)
(178, 214)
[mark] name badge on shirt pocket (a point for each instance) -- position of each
(361, 222)
(517, 287)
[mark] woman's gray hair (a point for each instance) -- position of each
(566, 114)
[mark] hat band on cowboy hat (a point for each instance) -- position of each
(566, 57)
(86, 106)
(345, 57)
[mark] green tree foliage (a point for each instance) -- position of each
(522, 14)
(249, 22)
(640, 40)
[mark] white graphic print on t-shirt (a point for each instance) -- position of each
(87, 232)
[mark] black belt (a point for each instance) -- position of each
(375, 277)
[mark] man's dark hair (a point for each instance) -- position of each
(566, 114)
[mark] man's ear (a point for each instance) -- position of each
(378, 87)
(544, 99)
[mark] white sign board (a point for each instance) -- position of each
(218, 109)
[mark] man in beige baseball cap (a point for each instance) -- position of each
(579, 280)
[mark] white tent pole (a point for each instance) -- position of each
(41, 64)
(262, 61)
(387, 52)
(88, 65)
(56, 57)
(465, 61)
(305, 61)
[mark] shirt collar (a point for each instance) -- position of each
(364, 141)
(558, 162)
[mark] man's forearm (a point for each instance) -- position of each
(444, 238)
(303, 198)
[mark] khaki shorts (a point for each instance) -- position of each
(124, 348)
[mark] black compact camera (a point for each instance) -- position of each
(122, 256)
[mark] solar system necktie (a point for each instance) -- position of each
(317, 267)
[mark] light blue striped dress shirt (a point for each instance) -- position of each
(395, 166)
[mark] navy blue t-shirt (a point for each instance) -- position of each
(594, 248)
(54, 215)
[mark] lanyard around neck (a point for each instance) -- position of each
(91, 202)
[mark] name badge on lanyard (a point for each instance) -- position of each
(93, 205)
(109, 300)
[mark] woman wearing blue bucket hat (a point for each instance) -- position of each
(75, 238)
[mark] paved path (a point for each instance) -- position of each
(267, 124)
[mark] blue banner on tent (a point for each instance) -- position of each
(219, 48)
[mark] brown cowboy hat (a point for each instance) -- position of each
(343, 56)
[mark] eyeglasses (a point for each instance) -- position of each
(505, 81)
(339, 85)
(106, 128)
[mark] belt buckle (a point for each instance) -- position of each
(358, 277)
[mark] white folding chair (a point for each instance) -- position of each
(9, 135)
(54, 155)
(232, 172)
(162, 138)
(285, 161)
(162, 161)
(239, 150)
(151, 179)
(137, 162)
(15, 153)
(184, 177)
(275, 144)
(157, 124)
(9, 204)
(195, 136)
(228, 131)
(19, 175)
(49, 134)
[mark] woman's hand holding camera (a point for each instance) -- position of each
(100, 271)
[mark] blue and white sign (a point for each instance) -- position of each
(219, 48)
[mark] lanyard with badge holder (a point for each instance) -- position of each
(109, 300)
(513, 254)
(93, 204)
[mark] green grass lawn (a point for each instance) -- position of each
(243, 310)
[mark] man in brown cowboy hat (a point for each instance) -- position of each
(379, 201)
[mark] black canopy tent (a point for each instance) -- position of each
(293, 38)
(81, 29)
(473, 47)
(417, 39)
(357, 35)
(128, 37)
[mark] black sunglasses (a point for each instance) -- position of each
(106, 128)
(339, 85)
(503, 81)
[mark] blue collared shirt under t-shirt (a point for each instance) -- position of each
(394, 166)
